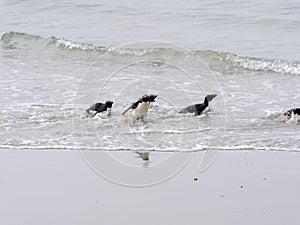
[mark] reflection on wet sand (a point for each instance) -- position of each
(145, 157)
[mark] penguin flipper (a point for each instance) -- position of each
(130, 107)
(133, 106)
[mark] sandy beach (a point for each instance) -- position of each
(46, 187)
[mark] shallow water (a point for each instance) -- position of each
(68, 56)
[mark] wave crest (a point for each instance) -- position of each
(249, 63)
(256, 64)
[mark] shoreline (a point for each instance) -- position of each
(58, 187)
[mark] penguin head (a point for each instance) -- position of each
(145, 98)
(109, 103)
(152, 97)
(210, 97)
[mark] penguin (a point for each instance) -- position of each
(100, 107)
(295, 111)
(198, 109)
(140, 107)
(151, 98)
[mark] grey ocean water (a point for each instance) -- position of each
(59, 57)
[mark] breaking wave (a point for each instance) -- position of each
(277, 66)
(11, 39)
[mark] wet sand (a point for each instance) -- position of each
(44, 187)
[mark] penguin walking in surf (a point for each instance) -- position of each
(100, 107)
(292, 113)
(200, 108)
(140, 108)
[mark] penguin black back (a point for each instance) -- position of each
(197, 109)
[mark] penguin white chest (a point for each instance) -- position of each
(141, 110)
(206, 110)
(109, 112)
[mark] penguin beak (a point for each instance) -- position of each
(153, 97)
